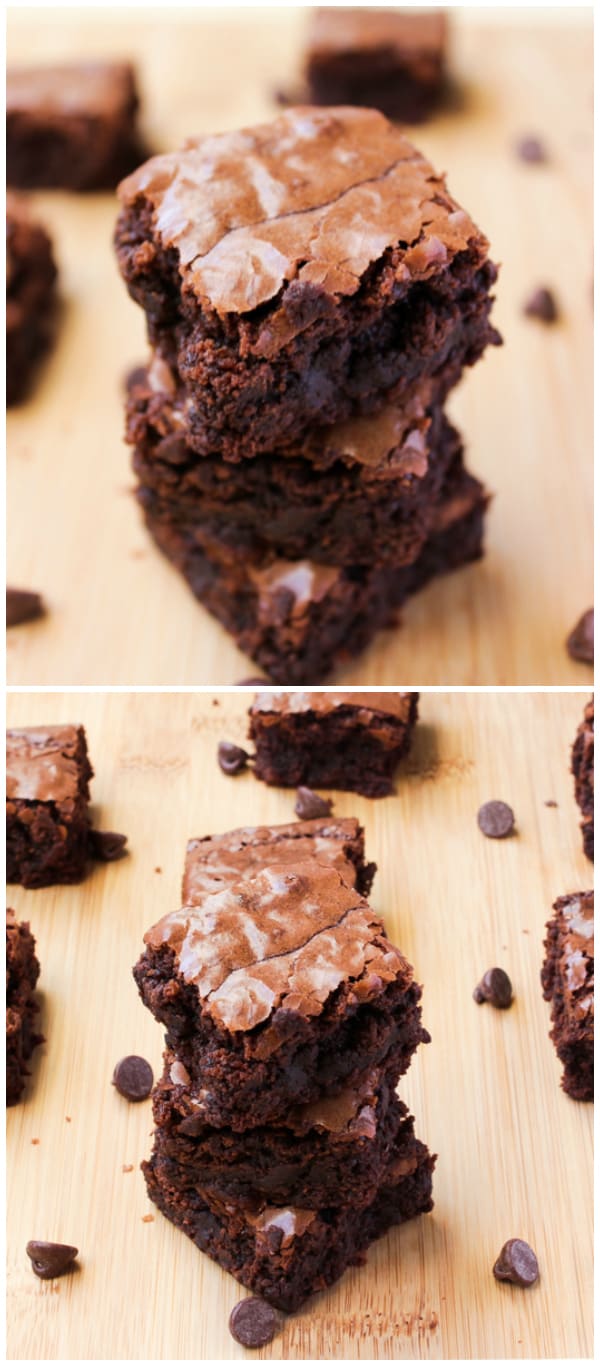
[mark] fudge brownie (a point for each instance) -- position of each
(582, 768)
(47, 795)
(30, 296)
(568, 983)
(71, 126)
(22, 972)
(333, 1152)
(365, 490)
(216, 860)
(299, 620)
(348, 740)
(301, 272)
(277, 989)
(286, 1254)
(393, 60)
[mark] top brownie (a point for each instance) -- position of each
(302, 272)
(47, 764)
(216, 860)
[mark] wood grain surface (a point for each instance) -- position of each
(118, 612)
(515, 1154)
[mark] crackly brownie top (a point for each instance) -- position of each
(311, 199)
(574, 967)
(397, 704)
(279, 940)
(42, 763)
(335, 31)
(217, 859)
(71, 88)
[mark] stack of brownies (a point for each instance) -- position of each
(312, 293)
(281, 1147)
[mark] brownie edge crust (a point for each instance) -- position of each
(568, 984)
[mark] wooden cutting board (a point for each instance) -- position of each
(118, 612)
(515, 1154)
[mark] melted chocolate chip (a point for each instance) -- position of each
(106, 845)
(49, 1260)
(309, 805)
(22, 606)
(495, 987)
(542, 305)
(496, 820)
(133, 1078)
(532, 150)
(232, 759)
(580, 643)
(253, 1323)
(517, 1263)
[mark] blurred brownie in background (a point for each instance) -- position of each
(30, 296)
(22, 972)
(582, 768)
(393, 60)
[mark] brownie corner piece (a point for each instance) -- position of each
(47, 795)
(568, 984)
(22, 972)
(351, 741)
(582, 768)
(215, 860)
(30, 296)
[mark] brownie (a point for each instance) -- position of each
(300, 273)
(218, 860)
(568, 983)
(22, 972)
(71, 126)
(300, 620)
(393, 60)
(333, 1152)
(582, 768)
(286, 1254)
(277, 989)
(353, 741)
(47, 795)
(361, 492)
(30, 296)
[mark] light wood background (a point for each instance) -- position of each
(515, 1154)
(118, 612)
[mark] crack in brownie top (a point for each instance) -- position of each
(42, 764)
(279, 940)
(399, 705)
(218, 859)
(314, 197)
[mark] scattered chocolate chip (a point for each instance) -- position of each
(496, 820)
(106, 845)
(22, 605)
(541, 304)
(232, 759)
(531, 149)
(253, 1323)
(495, 987)
(580, 643)
(517, 1263)
(309, 805)
(133, 1078)
(50, 1259)
(550, 802)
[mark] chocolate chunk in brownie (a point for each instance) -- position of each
(582, 768)
(568, 983)
(216, 861)
(47, 795)
(30, 296)
(22, 972)
(393, 60)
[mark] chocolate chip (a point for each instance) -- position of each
(50, 1259)
(133, 1078)
(580, 643)
(22, 605)
(309, 805)
(232, 759)
(495, 987)
(531, 149)
(253, 1323)
(541, 304)
(517, 1263)
(106, 845)
(496, 820)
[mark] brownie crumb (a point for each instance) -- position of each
(494, 987)
(133, 1078)
(158, 870)
(496, 820)
(232, 758)
(23, 605)
(517, 1263)
(580, 643)
(532, 150)
(542, 305)
(309, 805)
(127, 1167)
(147, 1218)
(253, 1323)
(49, 1260)
(550, 802)
(35, 1142)
(106, 845)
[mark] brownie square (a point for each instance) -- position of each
(22, 972)
(30, 296)
(47, 795)
(582, 768)
(393, 60)
(350, 741)
(300, 273)
(568, 983)
(277, 989)
(71, 126)
(216, 861)
(286, 1254)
